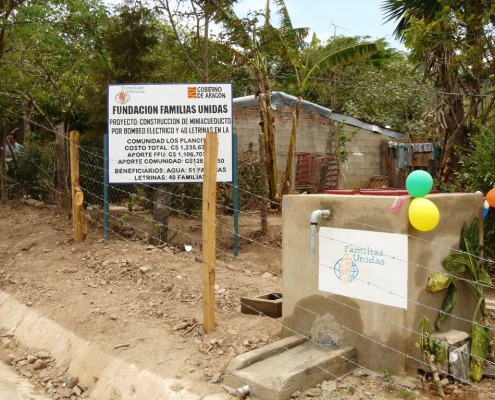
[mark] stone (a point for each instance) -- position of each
(39, 364)
(31, 359)
(65, 393)
(176, 387)
(11, 359)
(328, 387)
(26, 373)
(216, 378)
(406, 382)
(452, 337)
(72, 382)
(360, 372)
(43, 355)
(313, 392)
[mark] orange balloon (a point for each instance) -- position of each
(490, 197)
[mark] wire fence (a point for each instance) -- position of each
(33, 175)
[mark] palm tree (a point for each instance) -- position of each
(299, 58)
(453, 41)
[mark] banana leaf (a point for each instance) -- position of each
(448, 306)
(485, 278)
(480, 341)
(470, 236)
(473, 262)
(456, 262)
(438, 281)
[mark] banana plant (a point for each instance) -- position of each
(252, 46)
(298, 55)
(432, 351)
(464, 268)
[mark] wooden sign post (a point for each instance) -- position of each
(209, 229)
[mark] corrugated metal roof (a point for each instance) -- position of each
(284, 98)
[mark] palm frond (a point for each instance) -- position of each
(344, 56)
(407, 10)
(233, 25)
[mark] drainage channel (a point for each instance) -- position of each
(106, 377)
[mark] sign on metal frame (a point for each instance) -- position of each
(157, 131)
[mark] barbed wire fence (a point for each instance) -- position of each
(34, 176)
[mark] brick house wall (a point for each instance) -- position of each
(316, 134)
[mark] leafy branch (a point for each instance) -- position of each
(465, 268)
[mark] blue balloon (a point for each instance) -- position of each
(485, 212)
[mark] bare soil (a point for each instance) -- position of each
(143, 303)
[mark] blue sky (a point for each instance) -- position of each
(329, 17)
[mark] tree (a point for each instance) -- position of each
(192, 28)
(304, 66)
(253, 46)
(6, 11)
(133, 34)
(133, 45)
(47, 65)
(453, 41)
(384, 89)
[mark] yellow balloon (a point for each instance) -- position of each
(423, 214)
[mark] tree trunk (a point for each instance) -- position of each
(267, 128)
(452, 115)
(161, 214)
(3, 163)
(264, 186)
(287, 181)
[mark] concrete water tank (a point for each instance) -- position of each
(374, 301)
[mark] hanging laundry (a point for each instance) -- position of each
(404, 152)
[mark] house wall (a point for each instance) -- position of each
(316, 134)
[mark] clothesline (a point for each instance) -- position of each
(426, 147)
(404, 152)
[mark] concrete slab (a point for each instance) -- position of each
(276, 371)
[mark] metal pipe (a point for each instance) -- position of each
(313, 227)
(243, 391)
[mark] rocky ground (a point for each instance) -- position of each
(143, 304)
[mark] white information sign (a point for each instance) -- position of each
(157, 131)
(364, 265)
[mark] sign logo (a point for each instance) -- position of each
(191, 92)
(122, 97)
(345, 269)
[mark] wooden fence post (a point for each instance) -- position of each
(62, 168)
(78, 216)
(209, 229)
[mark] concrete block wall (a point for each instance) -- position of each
(316, 134)
(384, 336)
(363, 161)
